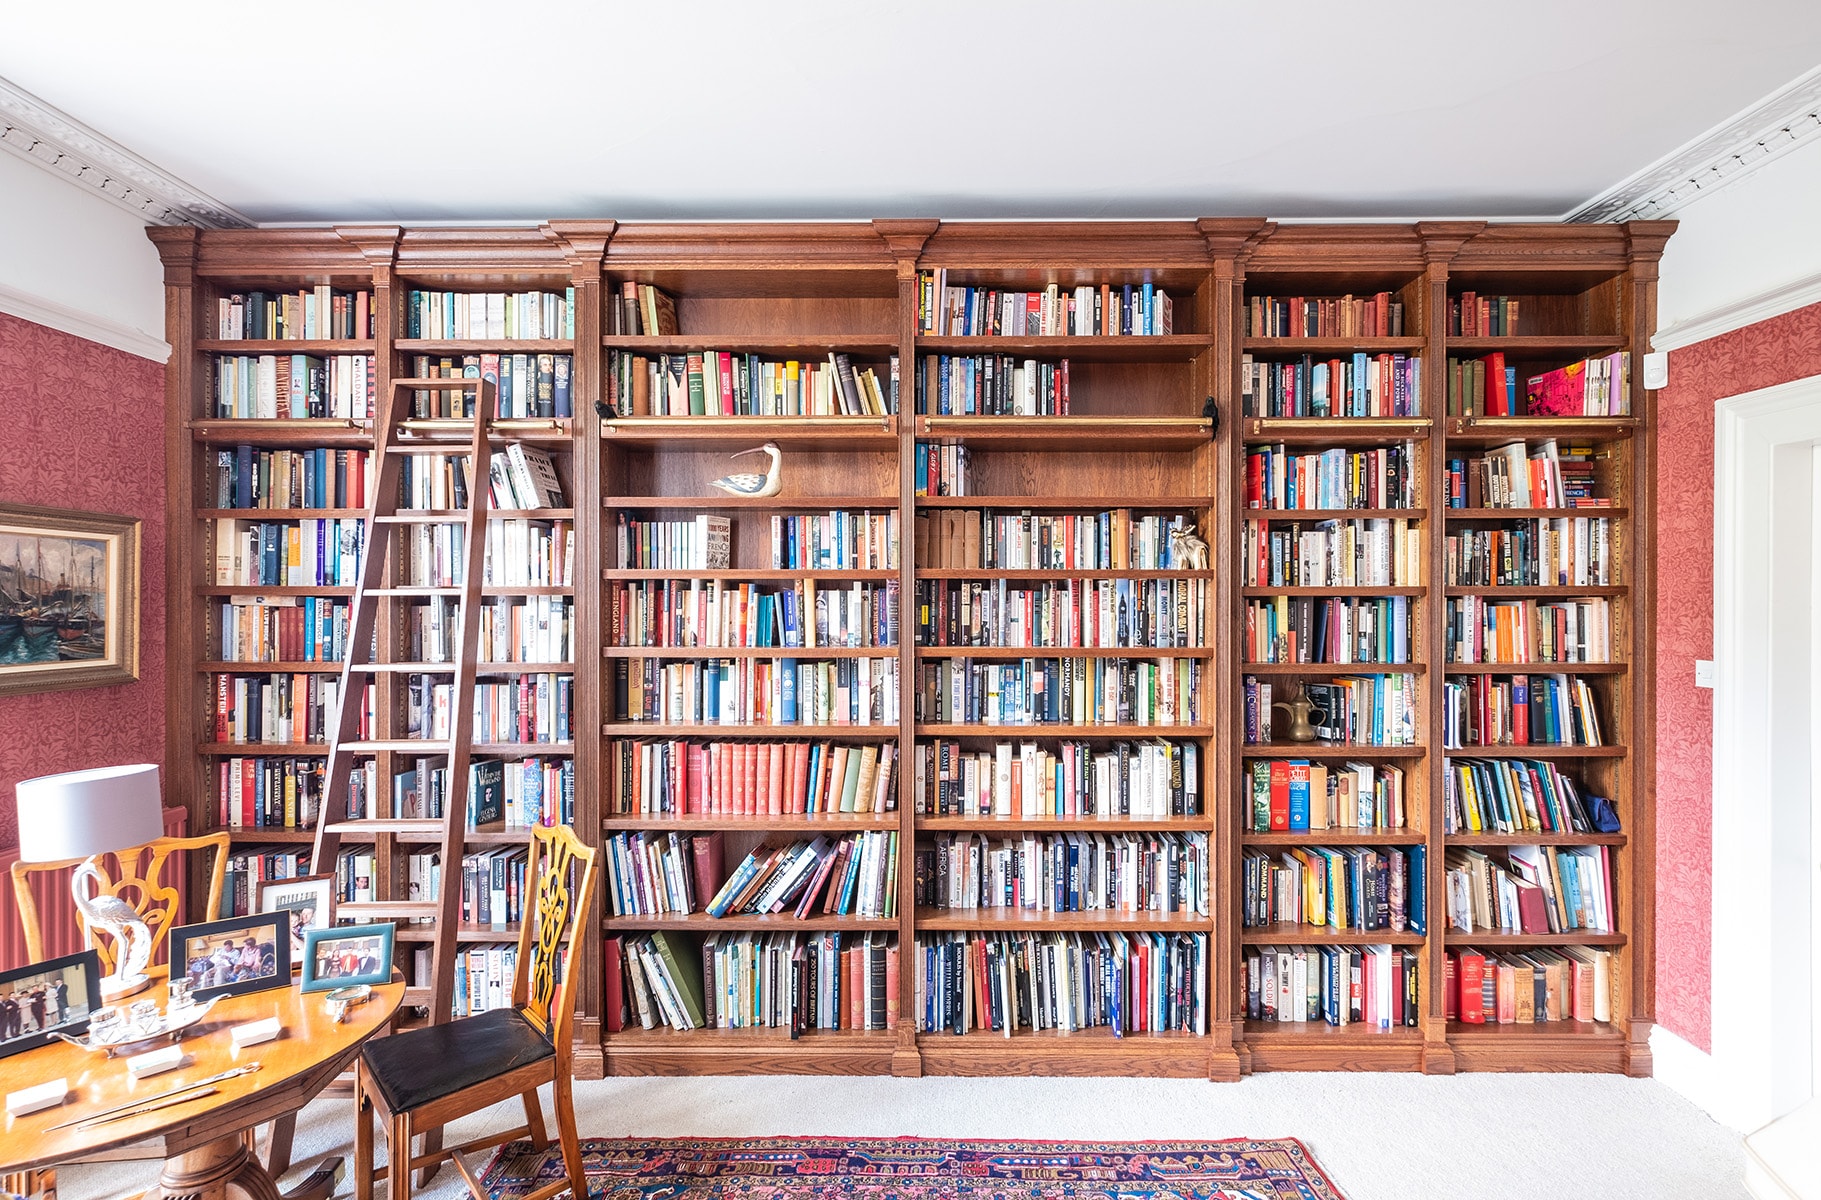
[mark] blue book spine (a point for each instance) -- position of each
(787, 691)
(1299, 794)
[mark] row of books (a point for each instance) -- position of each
(293, 386)
(721, 383)
(502, 795)
(787, 981)
(528, 553)
(1561, 983)
(1306, 629)
(1278, 477)
(492, 883)
(678, 777)
(520, 476)
(1110, 310)
(1336, 887)
(483, 976)
(528, 629)
(1592, 387)
(530, 708)
(696, 544)
(249, 477)
(268, 709)
(942, 468)
(249, 868)
(1377, 986)
(749, 691)
(490, 316)
(656, 874)
(280, 629)
(1296, 794)
(1112, 539)
(1516, 795)
(1369, 552)
(1060, 691)
(991, 385)
(1558, 551)
(1065, 872)
(1099, 613)
(642, 309)
(838, 540)
(851, 875)
(1359, 710)
(1524, 631)
(1474, 315)
(1378, 315)
(320, 313)
(268, 792)
(1520, 475)
(311, 552)
(1518, 710)
(1140, 983)
(1358, 385)
(713, 613)
(524, 385)
(1535, 889)
(1121, 779)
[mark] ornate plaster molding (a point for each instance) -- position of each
(59, 143)
(1775, 125)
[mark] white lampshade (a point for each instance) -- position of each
(81, 813)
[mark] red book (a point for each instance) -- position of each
(615, 1003)
(799, 767)
(724, 801)
(1498, 400)
(817, 880)
(248, 810)
(774, 784)
(726, 370)
(749, 766)
(1533, 911)
(891, 986)
(1520, 710)
(1451, 985)
(696, 799)
(1472, 988)
(707, 848)
(1280, 794)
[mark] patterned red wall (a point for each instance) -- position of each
(84, 429)
(1758, 356)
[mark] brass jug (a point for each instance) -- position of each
(1298, 706)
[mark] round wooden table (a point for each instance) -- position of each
(206, 1155)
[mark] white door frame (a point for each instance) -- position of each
(1764, 512)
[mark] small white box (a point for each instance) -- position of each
(255, 1032)
(154, 1062)
(49, 1094)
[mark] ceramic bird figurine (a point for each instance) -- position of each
(748, 484)
(1187, 550)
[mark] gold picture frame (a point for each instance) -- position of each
(69, 599)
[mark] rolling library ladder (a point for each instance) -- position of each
(370, 658)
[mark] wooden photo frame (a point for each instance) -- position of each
(235, 956)
(310, 899)
(40, 1000)
(69, 599)
(347, 954)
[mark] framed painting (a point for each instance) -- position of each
(69, 599)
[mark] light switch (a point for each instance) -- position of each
(1704, 672)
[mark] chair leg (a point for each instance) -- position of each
(534, 1119)
(278, 1146)
(433, 1141)
(572, 1147)
(363, 1140)
(398, 1150)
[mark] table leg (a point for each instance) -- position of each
(225, 1170)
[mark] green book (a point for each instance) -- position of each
(698, 393)
(1261, 795)
(685, 970)
(850, 781)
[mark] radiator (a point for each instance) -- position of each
(56, 911)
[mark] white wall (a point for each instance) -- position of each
(77, 262)
(1753, 237)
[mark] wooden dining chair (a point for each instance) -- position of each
(420, 1080)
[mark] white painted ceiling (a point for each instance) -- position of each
(482, 110)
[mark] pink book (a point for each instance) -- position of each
(1558, 393)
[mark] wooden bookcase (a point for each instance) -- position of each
(1138, 436)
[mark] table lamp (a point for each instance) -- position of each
(85, 814)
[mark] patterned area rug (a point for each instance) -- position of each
(921, 1169)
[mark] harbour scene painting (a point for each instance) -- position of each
(69, 599)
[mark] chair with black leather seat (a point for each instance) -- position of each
(422, 1079)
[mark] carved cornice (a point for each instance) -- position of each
(61, 144)
(1769, 129)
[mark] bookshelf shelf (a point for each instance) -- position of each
(1486, 938)
(1136, 441)
(1287, 934)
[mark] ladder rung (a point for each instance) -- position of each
(398, 825)
(416, 591)
(423, 745)
(404, 668)
(424, 448)
(427, 516)
(439, 383)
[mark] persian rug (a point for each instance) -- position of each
(790, 1168)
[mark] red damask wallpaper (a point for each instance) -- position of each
(1758, 356)
(84, 429)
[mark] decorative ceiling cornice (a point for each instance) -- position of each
(58, 142)
(1771, 128)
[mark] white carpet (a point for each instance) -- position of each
(1381, 1137)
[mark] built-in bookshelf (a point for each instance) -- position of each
(951, 753)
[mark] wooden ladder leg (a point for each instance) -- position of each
(534, 1120)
